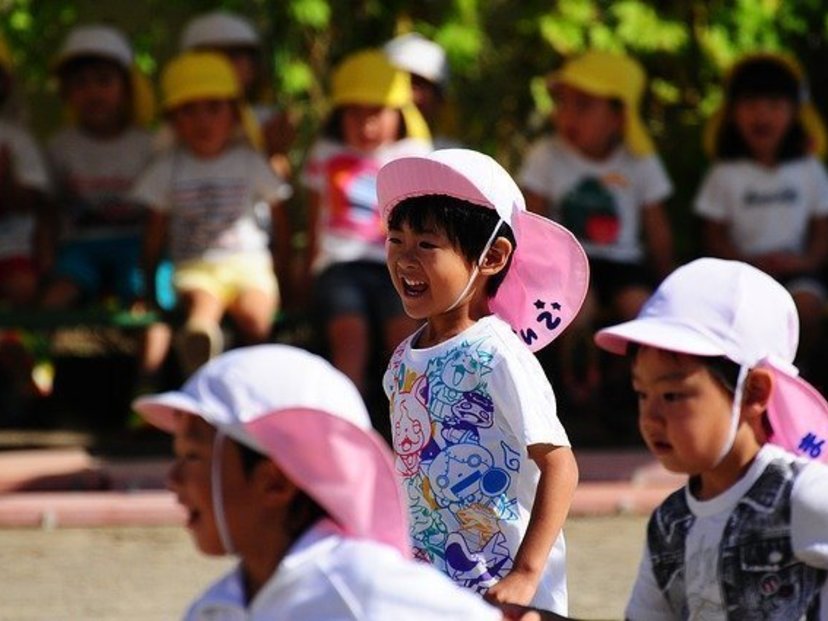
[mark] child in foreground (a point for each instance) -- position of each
(486, 464)
(719, 400)
(276, 463)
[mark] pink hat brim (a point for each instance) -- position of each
(798, 415)
(347, 470)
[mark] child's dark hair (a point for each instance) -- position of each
(77, 64)
(303, 512)
(467, 226)
(755, 78)
(332, 128)
(723, 370)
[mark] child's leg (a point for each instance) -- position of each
(810, 305)
(18, 282)
(349, 338)
(628, 301)
(580, 369)
(253, 311)
(200, 339)
(75, 274)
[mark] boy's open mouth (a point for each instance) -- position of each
(413, 288)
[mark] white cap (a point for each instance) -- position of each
(713, 307)
(96, 40)
(218, 29)
(414, 53)
(305, 415)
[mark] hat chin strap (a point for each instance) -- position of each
(735, 413)
(218, 495)
(477, 265)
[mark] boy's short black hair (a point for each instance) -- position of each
(762, 77)
(722, 369)
(467, 226)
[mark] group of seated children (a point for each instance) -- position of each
(276, 462)
(764, 200)
(193, 215)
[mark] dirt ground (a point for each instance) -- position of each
(147, 574)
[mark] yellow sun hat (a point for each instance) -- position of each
(110, 43)
(808, 115)
(613, 76)
(368, 78)
(206, 75)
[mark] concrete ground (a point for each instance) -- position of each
(85, 535)
(151, 573)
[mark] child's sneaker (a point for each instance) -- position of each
(196, 344)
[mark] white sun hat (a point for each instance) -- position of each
(414, 53)
(218, 29)
(714, 307)
(305, 415)
(548, 277)
(96, 40)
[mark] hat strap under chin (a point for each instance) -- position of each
(735, 413)
(477, 265)
(218, 494)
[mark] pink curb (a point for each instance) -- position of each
(159, 508)
(89, 509)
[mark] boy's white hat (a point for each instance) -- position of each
(414, 53)
(307, 417)
(713, 307)
(548, 278)
(96, 40)
(218, 29)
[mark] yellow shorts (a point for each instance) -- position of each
(228, 277)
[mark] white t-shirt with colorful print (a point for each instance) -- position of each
(350, 224)
(462, 416)
(601, 202)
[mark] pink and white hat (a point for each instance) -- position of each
(549, 275)
(307, 417)
(713, 307)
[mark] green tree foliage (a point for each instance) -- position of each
(500, 52)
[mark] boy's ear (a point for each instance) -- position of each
(497, 257)
(757, 392)
(277, 489)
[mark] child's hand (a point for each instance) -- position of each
(517, 587)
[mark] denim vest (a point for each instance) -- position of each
(758, 574)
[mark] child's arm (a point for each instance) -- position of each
(311, 234)
(281, 240)
(536, 203)
(659, 238)
(553, 497)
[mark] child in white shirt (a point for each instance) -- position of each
(203, 198)
(373, 121)
(601, 177)
(277, 463)
(765, 198)
(712, 354)
(95, 161)
(486, 464)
